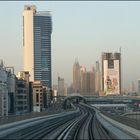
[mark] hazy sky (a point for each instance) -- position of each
(81, 30)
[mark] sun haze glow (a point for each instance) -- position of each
(81, 30)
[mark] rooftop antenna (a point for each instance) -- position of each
(120, 49)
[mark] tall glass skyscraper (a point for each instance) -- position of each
(76, 77)
(37, 29)
(97, 78)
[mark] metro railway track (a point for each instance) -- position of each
(42, 130)
(95, 129)
(38, 130)
(84, 125)
(101, 132)
(64, 134)
(68, 131)
(62, 131)
(90, 128)
(83, 130)
(78, 127)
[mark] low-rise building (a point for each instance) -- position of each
(138, 87)
(7, 85)
(11, 85)
(22, 93)
(41, 96)
(3, 92)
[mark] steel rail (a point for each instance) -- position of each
(44, 129)
(103, 134)
(67, 131)
(29, 130)
(90, 127)
(95, 128)
(82, 124)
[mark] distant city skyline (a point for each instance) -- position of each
(81, 30)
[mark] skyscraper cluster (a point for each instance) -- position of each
(96, 82)
(37, 29)
(85, 82)
(30, 89)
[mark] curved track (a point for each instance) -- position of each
(80, 125)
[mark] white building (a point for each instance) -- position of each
(139, 87)
(61, 86)
(41, 97)
(132, 88)
(3, 99)
(3, 91)
(111, 73)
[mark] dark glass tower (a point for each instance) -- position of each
(42, 47)
(37, 29)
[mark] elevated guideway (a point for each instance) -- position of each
(112, 99)
(133, 115)
(109, 105)
(119, 128)
(85, 122)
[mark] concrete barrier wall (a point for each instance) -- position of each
(117, 129)
(10, 119)
(133, 115)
